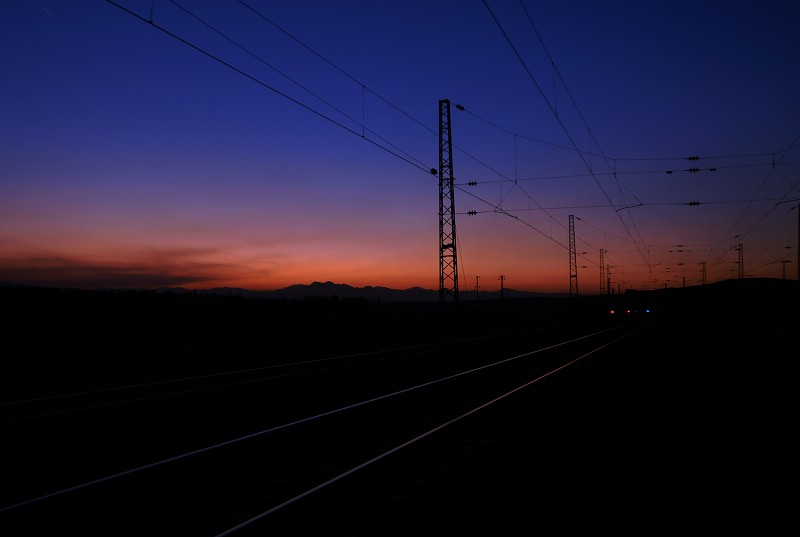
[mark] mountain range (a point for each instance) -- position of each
(372, 294)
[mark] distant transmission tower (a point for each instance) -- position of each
(448, 265)
(741, 261)
(602, 274)
(573, 265)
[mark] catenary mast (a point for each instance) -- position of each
(573, 262)
(448, 263)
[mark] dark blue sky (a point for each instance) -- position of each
(261, 144)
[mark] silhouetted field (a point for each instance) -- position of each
(67, 339)
(691, 422)
(47, 313)
(61, 336)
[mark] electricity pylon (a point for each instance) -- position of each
(573, 265)
(602, 274)
(448, 263)
(741, 260)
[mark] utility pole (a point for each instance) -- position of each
(784, 261)
(703, 264)
(573, 265)
(477, 287)
(602, 274)
(502, 278)
(608, 279)
(741, 261)
(448, 262)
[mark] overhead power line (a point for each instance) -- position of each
(500, 210)
(293, 81)
(426, 169)
(560, 122)
(345, 73)
(563, 82)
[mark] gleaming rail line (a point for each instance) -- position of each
(219, 454)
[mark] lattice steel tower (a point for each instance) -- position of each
(602, 274)
(448, 263)
(573, 264)
(741, 260)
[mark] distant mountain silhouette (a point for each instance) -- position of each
(326, 290)
(372, 294)
(719, 294)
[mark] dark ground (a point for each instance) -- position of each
(692, 428)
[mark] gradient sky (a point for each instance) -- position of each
(260, 144)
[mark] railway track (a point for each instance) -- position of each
(267, 448)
